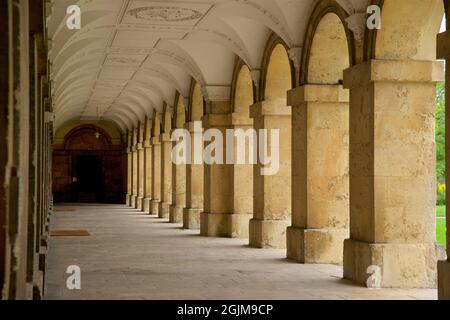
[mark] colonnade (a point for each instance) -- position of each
(356, 183)
(355, 112)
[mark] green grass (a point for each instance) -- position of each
(441, 226)
(440, 212)
(440, 232)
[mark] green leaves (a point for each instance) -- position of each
(440, 133)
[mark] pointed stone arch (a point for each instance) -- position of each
(278, 72)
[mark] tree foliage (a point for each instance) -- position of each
(440, 133)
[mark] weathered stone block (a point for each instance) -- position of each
(268, 233)
(400, 265)
(323, 246)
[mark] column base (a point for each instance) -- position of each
(155, 207)
(225, 225)
(321, 246)
(191, 218)
(444, 280)
(176, 214)
(268, 233)
(134, 201)
(400, 265)
(140, 203)
(128, 200)
(164, 210)
(147, 205)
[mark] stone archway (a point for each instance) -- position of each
(320, 181)
(87, 167)
(272, 193)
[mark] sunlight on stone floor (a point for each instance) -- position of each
(131, 255)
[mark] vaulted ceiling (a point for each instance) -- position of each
(131, 56)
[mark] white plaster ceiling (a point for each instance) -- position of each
(131, 56)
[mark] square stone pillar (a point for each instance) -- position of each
(392, 173)
(141, 171)
(272, 193)
(320, 180)
(242, 179)
(194, 181)
(178, 192)
(156, 174)
(134, 195)
(217, 219)
(166, 176)
(444, 265)
(148, 153)
(129, 176)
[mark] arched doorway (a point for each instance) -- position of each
(88, 167)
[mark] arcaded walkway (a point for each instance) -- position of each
(130, 255)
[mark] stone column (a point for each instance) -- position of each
(141, 171)
(444, 265)
(242, 179)
(134, 195)
(392, 173)
(178, 192)
(148, 153)
(166, 176)
(129, 175)
(320, 181)
(272, 193)
(194, 180)
(217, 219)
(156, 174)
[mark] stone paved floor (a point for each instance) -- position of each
(130, 255)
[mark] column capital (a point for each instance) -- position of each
(443, 45)
(318, 93)
(265, 108)
(394, 71)
(134, 148)
(140, 146)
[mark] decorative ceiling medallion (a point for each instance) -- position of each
(165, 14)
